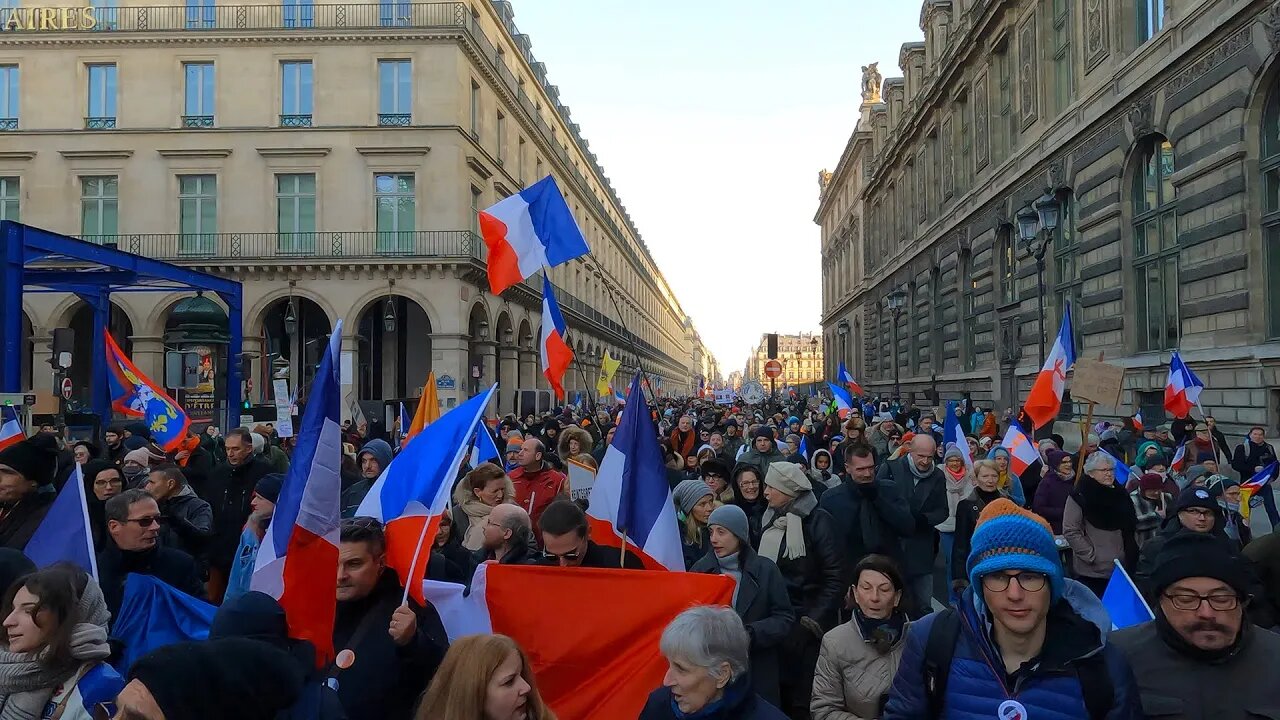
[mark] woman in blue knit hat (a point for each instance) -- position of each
(1018, 644)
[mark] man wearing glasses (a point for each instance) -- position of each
(1195, 512)
(566, 541)
(1201, 657)
(1017, 645)
(133, 521)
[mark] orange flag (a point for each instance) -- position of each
(428, 410)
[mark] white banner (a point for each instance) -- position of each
(724, 397)
(581, 479)
(284, 418)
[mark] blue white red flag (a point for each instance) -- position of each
(1182, 389)
(1045, 398)
(556, 354)
(528, 231)
(804, 448)
(484, 448)
(841, 399)
(847, 378)
(1179, 462)
(1261, 478)
(1123, 471)
(1122, 601)
(412, 492)
(64, 534)
(1022, 450)
(631, 496)
(1137, 421)
(135, 395)
(299, 553)
(953, 434)
(10, 427)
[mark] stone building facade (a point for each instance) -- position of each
(1152, 123)
(332, 158)
(800, 354)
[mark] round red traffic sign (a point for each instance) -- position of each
(66, 388)
(772, 369)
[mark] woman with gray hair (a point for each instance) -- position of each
(707, 677)
(1098, 522)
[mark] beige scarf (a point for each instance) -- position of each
(787, 526)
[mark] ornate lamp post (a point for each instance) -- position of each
(1036, 226)
(896, 301)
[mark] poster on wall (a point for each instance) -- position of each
(200, 402)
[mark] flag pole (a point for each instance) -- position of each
(1213, 443)
(417, 552)
(622, 558)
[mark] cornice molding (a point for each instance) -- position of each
(382, 151)
(294, 151)
(195, 153)
(95, 154)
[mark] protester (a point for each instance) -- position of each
(759, 595)
(536, 483)
(508, 537)
(261, 507)
(1151, 504)
(1201, 658)
(715, 473)
(1227, 493)
(573, 441)
(922, 484)
(26, 471)
(566, 538)
(138, 463)
(1057, 485)
(114, 450)
(102, 481)
(187, 522)
(484, 677)
(748, 494)
(1099, 523)
(232, 484)
(959, 483)
(1013, 628)
(1195, 511)
(823, 471)
(986, 489)
(871, 514)
(133, 524)
(483, 489)
(684, 441)
(763, 452)
(237, 678)
(398, 644)
(372, 459)
(708, 659)
(858, 659)
(1009, 483)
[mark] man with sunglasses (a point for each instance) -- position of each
(1018, 644)
(1201, 657)
(133, 521)
(566, 541)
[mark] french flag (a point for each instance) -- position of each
(631, 497)
(412, 492)
(528, 231)
(556, 354)
(299, 553)
(484, 448)
(1123, 472)
(847, 378)
(10, 427)
(954, 435)
(1182, 389)
(63, 534)
(1179, 462)
(1022, 452)
(1137, 421)
(841, 399)
(1045, 399)
(1262, 478)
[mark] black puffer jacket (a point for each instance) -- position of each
(231, 489)
(814, 580)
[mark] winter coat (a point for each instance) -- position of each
(1265, 555)
(765, 608)
(869, 519)
(93, 683)
(826, 478)
(684, 443)
(1148, 519)
(748, 706)
(853, 677)
(1093, 550)
(1151, 550)
(1051, 498)
(1249, 456)
(277, 458)
(188, 523)
(760, 460)
(584, 442)
(197, 468)
(232, 489)
(172, 567)
(469, 513)
(1174, 685)
(977, 684)
(814, 581)
(957, 490)
(536, 489)
(927, 500)
(19, 521)
(967, 512)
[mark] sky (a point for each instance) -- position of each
(712, 119)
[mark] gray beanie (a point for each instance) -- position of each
(688, 493)
(733, 519)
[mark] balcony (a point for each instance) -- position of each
(100, 123)
(197, 121)
(295, 121)
(256, 17)
(394, 119)
(237, 248)
(9, 123)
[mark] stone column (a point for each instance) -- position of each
(509, 361)
(148, 356)
(253, 346)
(487, 351)
(449, 357)
(41, 370)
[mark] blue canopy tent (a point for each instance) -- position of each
(35, 260)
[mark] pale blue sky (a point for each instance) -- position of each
(712, 118)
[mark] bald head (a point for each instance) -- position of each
(506, 527)
(530, 454)
(923, 450)
(510, 517)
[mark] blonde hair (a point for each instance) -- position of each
(980, 465)
(459, 688)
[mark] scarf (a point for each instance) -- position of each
(1193, 653)
(477, 511)
(916, 472)
(27, 684)
(736, 693)
(730, 565)
(1110, 508)
(789, 526)
(880, 634)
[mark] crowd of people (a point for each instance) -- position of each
(878, 571)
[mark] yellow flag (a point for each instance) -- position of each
(428, 410)
(608, 366)
(1245, 495)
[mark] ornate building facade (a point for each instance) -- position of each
(801, 357)
(1147, 127)
(332, 158)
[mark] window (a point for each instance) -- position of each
(1066, 266)
(296, 213)
(1062, 83)
(197, 214)
(299, 13)
(1006, 130)
(475, 211)
(1150, 19)
(1270, 166)
(395, 92)
(969, 318)
(99, 209)
(106, 14)
(537, 170)
(520, 149)
(502, 138)
(964, 144)
(197, 109)
(1008, 259)
(922, 184)
(394, 12)
(475, 109)
(395, 206)
(102, 97)
(9, 97)
(295, 93)
(9, 195)
(1155, 242)
(200, 14)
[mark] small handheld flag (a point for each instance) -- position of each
(1182, 388)
(64, 534)
(847, 378)
(484, 448)
(1124, 604)
(1045, 398)
(556, 353)
(10, 427)
(841, 400)
(1137, 421)
(954, 435)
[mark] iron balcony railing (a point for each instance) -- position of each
(301, 247)
(100, 123)
(295, 121)
(8, 123)
(270, 17)
(394, 119)
(197, 121)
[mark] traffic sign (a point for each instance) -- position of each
(66, 388)
(772, 369)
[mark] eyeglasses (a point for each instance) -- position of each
(1198, 512)
(146, 522)
(1029, 581)
(1190, 601)
(573, 555)
(107, 483)
(712, 476)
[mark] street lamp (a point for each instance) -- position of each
(389, 316)
(1036, 225)
(484, 329)
(290, 319)
(895, 301)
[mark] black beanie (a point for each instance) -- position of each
(764, 432)
(35, 458)
(1193, 554)
(1195, 496)
(234, 678)
(270, 485)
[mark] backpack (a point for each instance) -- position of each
(940, 647)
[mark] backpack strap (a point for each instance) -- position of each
(1095, 686)
(939, 648)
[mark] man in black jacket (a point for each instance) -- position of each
(1250, 457)
(188, 519)
(232, 485)
(133, 522)
(566, 541)
(871, 514)
(27, 468)
(398, 646)
(919, 481)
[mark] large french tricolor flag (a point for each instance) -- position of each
(631, 496)
(10, 427)
(412, 492)
(1045, 399)
(846, 377)
(1022, 452)
(528, 231)
(841, 399)
(298, 559)
(556, 354)
(1182, 389)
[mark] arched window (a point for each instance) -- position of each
(1155, 246)
(1271, 207)
(968, 318)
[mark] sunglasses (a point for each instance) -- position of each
(146, 522)
(574, 555)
